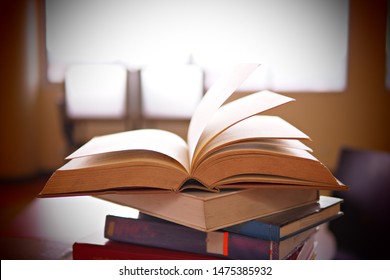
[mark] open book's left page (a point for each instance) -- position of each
(154, 140)
(135, 160)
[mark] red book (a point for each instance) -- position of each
(167, 235)
(98, 248)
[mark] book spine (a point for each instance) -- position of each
(257, 230)
(303, 229)
(271, 232)
(123, 251)
(181, 238)
(98, 252)
(154, 234)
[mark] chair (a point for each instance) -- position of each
(362, 233)
(94, 92)
(170, 92)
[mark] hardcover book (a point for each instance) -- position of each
(284, 224)
(97, 247)
(216, 243)
(208, 211)
(308, 250)
(229, 145)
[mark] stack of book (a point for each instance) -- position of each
(243, 185)
(289, 234)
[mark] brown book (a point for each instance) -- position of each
(209, 211)
(229, 145)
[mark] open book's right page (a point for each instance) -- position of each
(220, 133)
(235, 112)
(211, 118)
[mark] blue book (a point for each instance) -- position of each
(157, 233)
(285, 224)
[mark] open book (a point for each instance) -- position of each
(229, 145)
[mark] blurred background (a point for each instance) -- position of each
(331, 56)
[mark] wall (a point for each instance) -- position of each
(32, 139)
(360, 116)
(19, 88)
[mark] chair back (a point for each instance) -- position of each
(93, 92)
(96, 91)
(362, 232)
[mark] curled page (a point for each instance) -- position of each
(236, 111)
(213, 100)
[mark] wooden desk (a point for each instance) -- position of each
(46, 228)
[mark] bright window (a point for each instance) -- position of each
(302, 44)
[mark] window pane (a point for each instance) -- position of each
(302, 43)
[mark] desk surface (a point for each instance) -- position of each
(46, 228)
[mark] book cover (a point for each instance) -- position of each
(96, 247)
(216, 243)
(284, 224)
(209, 211)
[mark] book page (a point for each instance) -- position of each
(213, 99)
(261, 128)
(156, 140)
(236, 111)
